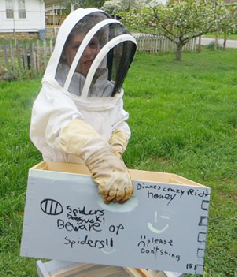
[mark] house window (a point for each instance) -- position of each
(9, 9)
(22, 9)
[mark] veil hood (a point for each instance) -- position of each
(93, 82)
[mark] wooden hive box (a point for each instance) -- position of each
(63, 269)
(162, 227)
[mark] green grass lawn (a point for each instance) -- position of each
(183, 119)
(230, 36)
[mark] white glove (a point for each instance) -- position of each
(118, 142)
(107, 169)
(111, 174)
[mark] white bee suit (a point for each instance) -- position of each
(52, 111)
(72, 105)
(76, 115)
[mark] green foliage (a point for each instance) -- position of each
(82, 4)
(227, 19)
(19, 74)
(211, 46)
(183, 120)
(180, 21)
(118, 6)
(88, 3)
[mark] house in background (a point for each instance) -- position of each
(21, 17)
(55, 11)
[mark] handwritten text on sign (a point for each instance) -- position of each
(67, 220)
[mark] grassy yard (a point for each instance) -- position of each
(183, 119)
(230, 36)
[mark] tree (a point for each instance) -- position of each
(88, 3)
(179, 21)
(112, 6)
(117, 6)
(83, 4)
(228, 22)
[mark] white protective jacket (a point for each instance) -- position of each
(55, 107)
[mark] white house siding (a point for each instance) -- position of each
(35, 17)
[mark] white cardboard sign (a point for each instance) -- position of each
(163, 226)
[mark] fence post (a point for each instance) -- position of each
(5, 54)
(18, 53)
(165, 43)
(1, 70)
(26, 62)
(161, 43)
(45, 54)
(34, 49)
(30, 57)
(12, 56)
(51, 46)
(38, 55)
(156, 45)
(195, 44)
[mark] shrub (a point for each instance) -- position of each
(211, 46)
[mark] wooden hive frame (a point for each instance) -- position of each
(50, 269)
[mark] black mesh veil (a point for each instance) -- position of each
(118, 65)
(88, 40)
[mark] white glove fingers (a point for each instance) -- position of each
(108, 198)
(103, 189)
(112, 195)
(128, 194)
(120, 194)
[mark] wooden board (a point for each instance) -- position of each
(162, 227)
(62, 269)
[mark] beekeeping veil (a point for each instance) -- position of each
(92, 55)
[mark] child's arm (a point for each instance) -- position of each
(51, 112)
(118, 142)
(121, 131)
(109, 171)
(57, 124)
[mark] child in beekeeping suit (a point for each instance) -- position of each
(78, 116)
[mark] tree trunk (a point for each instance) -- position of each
(178, 53)
(225, 39)
(216, 41)
(199, 49)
